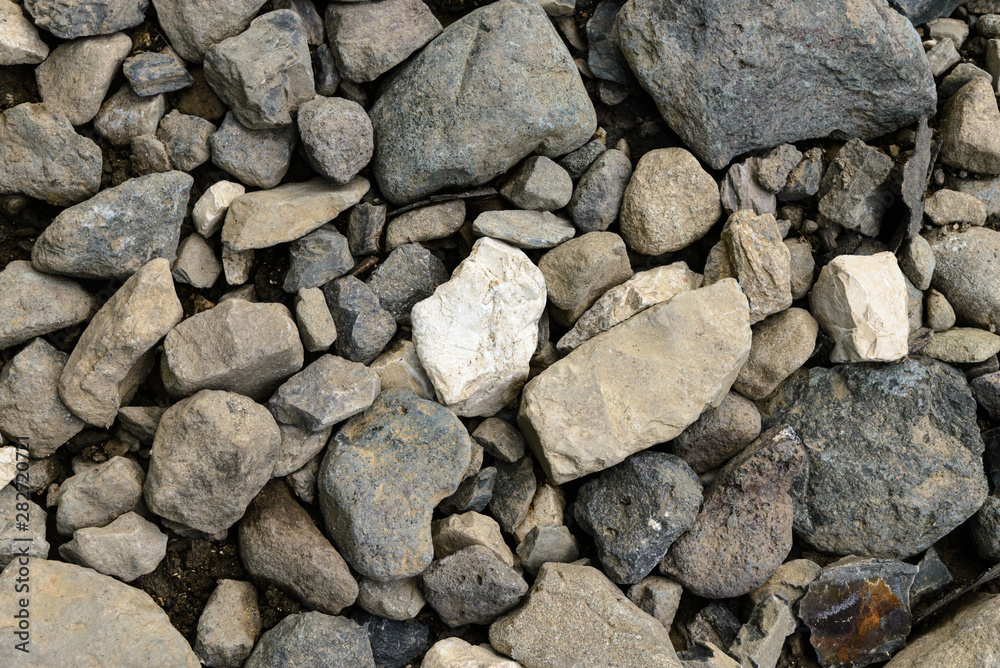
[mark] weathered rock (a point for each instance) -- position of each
(19, 41)
(683, 355)
(538, 184)
(69, 20)
(774, 168)
(298, 448)
(313, 639)
(34, 304)
(805, 180)
(670, 203)
(512, 492)
(365, 225)
(314, 320)
(575, 615)
(760, 261)
(186, 139)
(760, 641)
(125, 549)
(95, 497)
(965, 638)
(475, 335)
(210, 209)
(903, 434)
(473, 494)
(76, 76)
(577, 162)
(581, 270)
(290, 211)
(256, 157)
(317, 258)
(229, 625)
(702, 67)
(719, 433)
(209, 492)
(946, 207)
(524, 229)
(969, 125)
(152, 73)
(740, 190)
(399, 368)
(744, 529)
(149, 155)
(193, 27)
(41, 156)
(603, 55)
(326, 392)
(125, 116)
(789, 582)
(967, 266)
(500, 439)
(962, 345)
(942, 57)
(196, 263)
(598, 194)
(237, 346)
(77, 612)
(427, 139)
(113, 355)
(426, 223)
(962, 74)
(396, 599)
(363, 326)
(455, 652)
(384, 472)
(472, 586)
(457, 532)
(13, 543)
(932, 576)
(409, 275)
(940, 314)
(986, 529)
(802, 265)
(336, 133)
(395, 644)
(855, 190)
(657, 596)
(917, 262)
(544, 544)
(546, 509)
(781, 344)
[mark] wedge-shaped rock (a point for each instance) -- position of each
(969, 125)
(326, 392)
(113, 355)
(638, 384)
(34, 304)
(476, 334)
(760, 260)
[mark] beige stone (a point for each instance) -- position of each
(760, 260)
(781, 344)
(962, 345)
(196, 263)
(969, 637)
(316, 325)
(425, 224)
(210, 210)
(456, 653)
(789, 581)
(657, 596)
(236, 265)
(546, 509)
(396, 599)
(581, 270)
(970, 129)
(802, 266)
(457, 532)
(945, 207)
(399, 368)
(19, 40)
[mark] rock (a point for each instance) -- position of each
(524, 229)
(186, 139)
(326, 392)
(457, 532)
(513, 492)
(280, 544)
(113, 354)
(210, 492)
(364, 229)
(313, 639)
(409, 275)
(969, 124)
(670, 203)
(781, 344)
(596, 624)
(313, 318)
(744, 529)
(689, 62)
(986, 390)
(395, 644)
(922, 11)
(964, 638)
(19, 41)
(69, 20)
(118, 230)
(475, 335)
(719, 433)
(229, 625)
(962, 74)
(363, 326)
(311, 19)
(598, 194)
(396, 599)
(500, 439)
(454, 652)
(859, 301)
(141, 421)
(125, 116)
(41, 156)
(942, 57)
(940, 315)
(858, 610)
(394, 462)
(760, 261)
(210, 209)
(546, 509)
(714, 625)
(55, 303)
(932, 576)
(426, 223)
(269, 217)
(149, 155)
(399, 368)
(472, 586)
(604, 58)
(917, 452)
(317, 258)
(946, 207)
(581, 270)
(962, 345)
(13, 543)
(802, 266)
(298, 448)
(95, 497)
(127, 548)
(256, 157)
(762, 638)
(986, 529)
(426, 139)
(854, 193)
(368, 39)
(577, 162)
(261, 348)
(264, 73)
(196, 263)
(152, 73)
(805, 179)
(774, 168)
(473, 494)
(336, 133)
(77, 612)
(192, 31)
(636, 510)
(544, 544)
(917, 262)
(76, 76)
(538, 184)
(657, 596)
(740, 190)
(789, 582)
(570, 414)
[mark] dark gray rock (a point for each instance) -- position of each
(125, 116)
(986, 390)
(364, 228)
(805, 179)
(395, 644)
(384, 472)
(118, 230)
(715, 624)
(311, 19)
(325, 71)
(317, 258)
(255, 157)
(426, 138)
(192, 27)
(312, 639)
(598, 194)
(986, 529)
(472, 586)
(410, 274)
(326, 392)
(264, 73)
(512, 492)
(811, 71)
(894, 455)
(186, 139)
(474, 493)
(636, 510)
(922, 11)
(55, 303)
(741, 190)
(855, 190)
(337, 136)
(151, 73)
(125, 549)
(149, 156)
(932, 576)
(500, 439)
(603, 55)
(363, 326)
(577, 162)
(93, 498)
(719, 433)
(69, 19)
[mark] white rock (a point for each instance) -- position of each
(210, 210)
(236, 265)
(196, 263)
(19, 40)
(456, 653)
(860, 301)
(475, 335)
(8, 465)
(644, 289)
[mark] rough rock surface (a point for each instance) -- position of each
(326, 392)
(128, 547)
(855, 189)
(194, 26)
(34, 304)
(256, 157)
(229, 625)
(598, 194)
(151, 73)
(19, 41)
(96, 496)
(538, 184)
(524, 229)
(76, 76)
(581, 270)
(967, 265)
(719, 433)
(396, 599)
(313, 639)
(760, 262)
(68, 20)
(363, 326)
(125, 116)
(185, 138)
(399, 368)
(317, 258)
(425, 223)
(410, 274)
(336, 134)
(962, 345)
(472, 586)
(968, 637)
(969, 123)
(455, 653)
(781, 344)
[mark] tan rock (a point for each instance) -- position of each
(657, 596)
(210, 210)
(969, 637)
(236, 265)
(425, 224)
(33, 303)
(760, 260)
(546, 509)
(457, 532)
(789, 581)
(581, 270)
(945, 207)
(396, 599)
(316, 325)
(781, 344)
(970, 129)
(196, 263)
(802, 266)
(399, 368)
(456, 653)
(962, 345)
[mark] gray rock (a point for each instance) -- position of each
(472, 586)
(636, 510)
(125, 549)
(317, 258)
(426, 223)
(969, 125)
(457, 532)
(538, 184)
(196, 263)
(774, 168)
(500, 439)
(689, 62)
(524, 229)
(363, 326)
(125, 115)
(313, 639)
(237, 346)
(802, 266)
(719, 433)
(395, 644)
(383, 474)
(917, 262)
(578, 161)
(325, 71)
(946, 207)
(962, 74)
(603, 55)
(922, 11)
(280, 544)
(781, 344)
(337, 134)
(581, 270)
(315, 322)
(264, 73)
(192, 27)
(740, 189)
(12, 537)
(77, 612)
(369, 39)
(942, 57)
(76, 76)
(473, 494)
(19, 41)
(364, 228)
(760, 641)
(410, 274)
(149, 155)
(41, 156)
(598, 194)
(186, 139)
(141, 421)
(986, 529)
(69, 20)
(544, 544)
(854, 193)
(966, 269)
(298, 448)
(55, 303)
(932, 576)
(255, 157)
(397, 599)
(113, 354)
(657, 596)
(940, 314)
(117, 231)
(917, 453)
(760, 262)
(229, 625)
(303, 481)
(311, 19)
(805, 179)
(962, 345)
(95, 497)
(426, 139)
(513, 491)
(326, 392)
(151, 73)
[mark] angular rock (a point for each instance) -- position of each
(802, 266)
(365, 225)
(426, 223)
(395, 644)
(336, 134)
(538, 184)
(986, 529)
(774, 169)
(805, 179)
(409, 275)
(946, 207)
(472, 586)
(512, 492)
(125, 549)
(524, 229)
(657, 596)
(298, 448)
(19, 41)
(152, 73)
(196, 263)
(962, 345)
(740, 190)
(326, 392)
(95, 497)
(317, 258)
(399, 368)
(76, 76)
(962, 74)
(544, 544)
(256, 157)
(577, 162)
(186, 139)
(789, 582)
(473, 494)
(965, 638)
(598, 194)
(313, 639)
(314, 320)
(210, 209)
(457, 532)
(969, 125)
(125, 116)
(396, 599)
(855, 190)
(452, 652)
(149, 155)
(546, 509)
(942, 57)
(781, 344)
(229, 625)
(193, 27)
(500, 439)
(12, 537)
(69, 20)
(761, 640)
(719, 433)
(363, 326)
(760, 261)
(932, 576)
(967, 266)
(581, 270)
(54, 303)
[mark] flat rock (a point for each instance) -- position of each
(962, 345)
(538, 184)
(326, 392)
(426, 223)
(76, 76)
(967, 266)
(476, 334)
(316, 325)
(603, 55)
(19, 40)
(192, 26)
(452, 652)
(152, 73)
(229, 625)
(855, 188)
(317, 258)
(313, 639)
(524, 229)
(581, 270)
(95, 497)
(966, 637)
(69, 20)
(397, 599)
(337, 133)
(682, 356)
(125, 116)
(125, 549)
(427, 139)
(363, 326)
(702, 67)
(598, 194)
(410, 274)
(256, 157)
(719, 433)
(34, 304)
(781, 344)
(969, 125)
(761, 640)
(760, 262)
